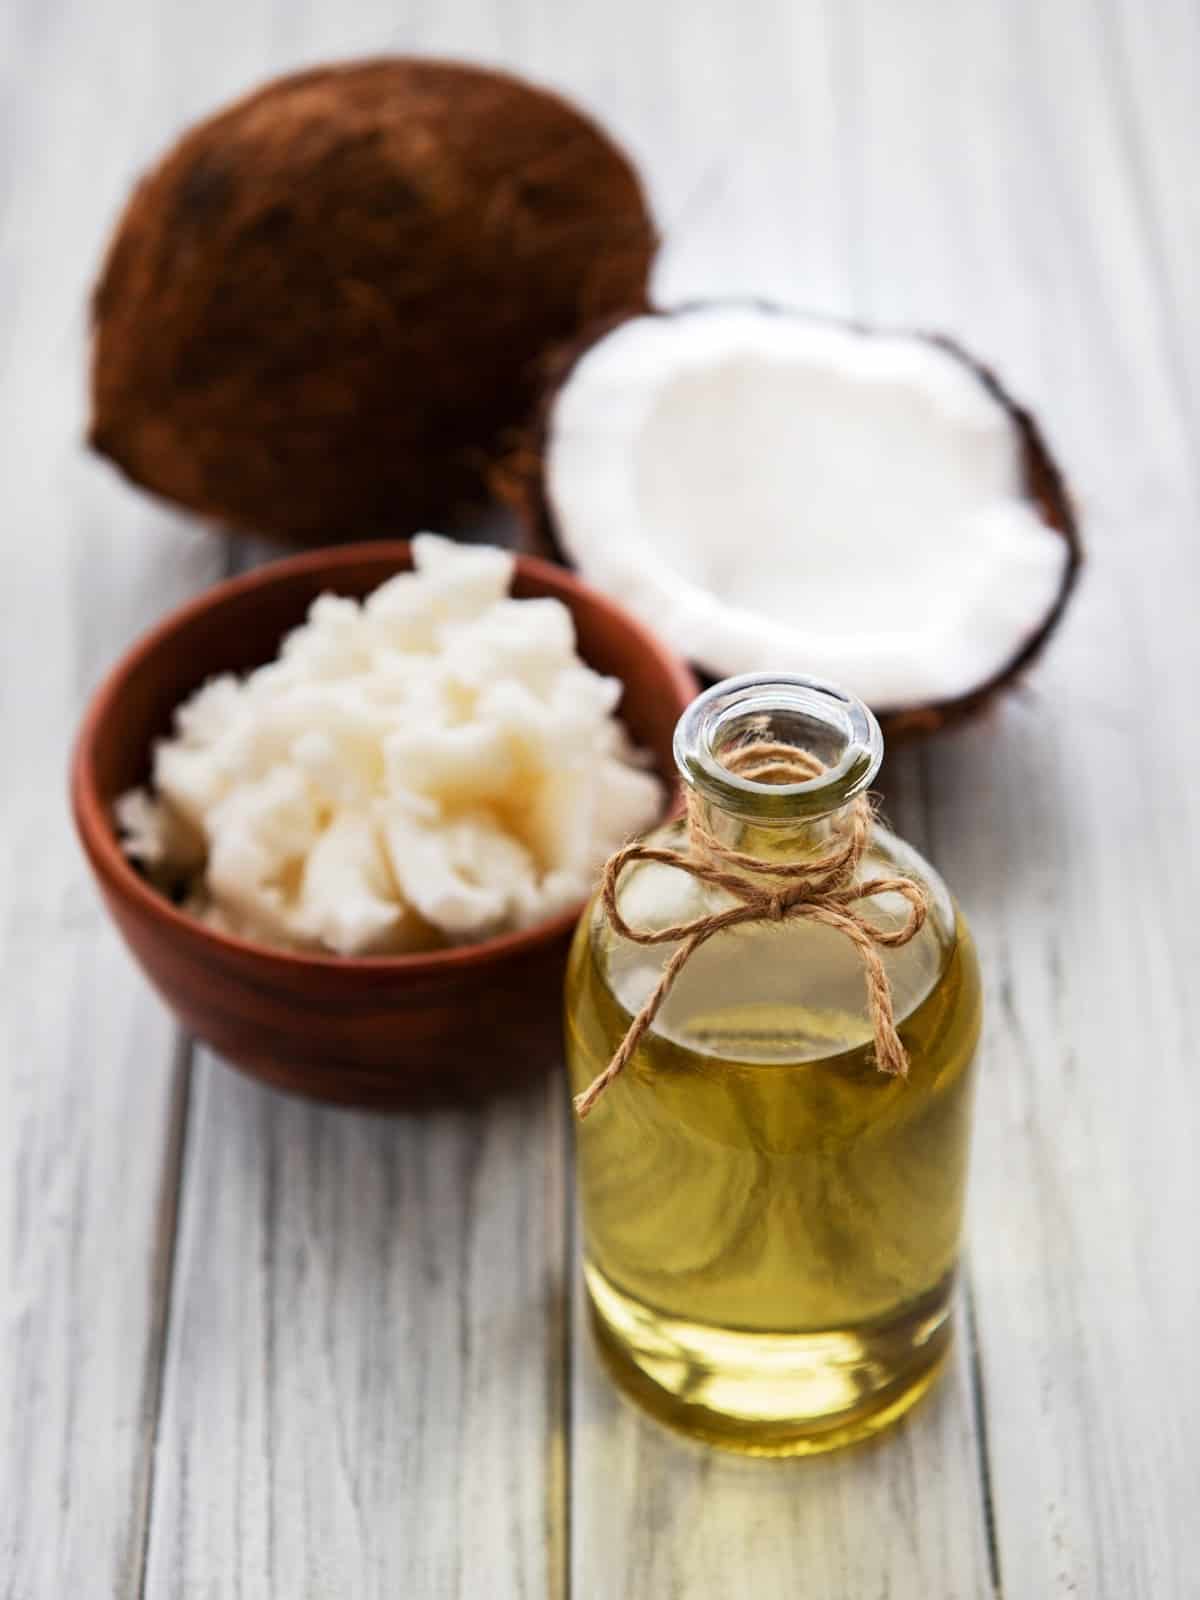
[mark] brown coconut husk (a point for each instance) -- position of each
(518, 479)
(323, 308)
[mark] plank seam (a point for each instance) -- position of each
(164, 1295)
(982, 1446)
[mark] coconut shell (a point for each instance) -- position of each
(519, 481)
(323, 309)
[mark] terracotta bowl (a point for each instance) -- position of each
(387, 1031)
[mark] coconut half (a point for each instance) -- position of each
(772, 491)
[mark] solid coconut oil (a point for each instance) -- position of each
(771, 1224)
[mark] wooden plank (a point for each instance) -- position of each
(92, 1078)
(93, 1103)
(1064, 821)
(362, 1390)
(775, 91)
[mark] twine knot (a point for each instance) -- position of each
(778, 906)
(820, 889)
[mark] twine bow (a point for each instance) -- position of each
(819, 889)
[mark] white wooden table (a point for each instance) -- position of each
(250, 1347)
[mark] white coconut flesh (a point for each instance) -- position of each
(772, 492)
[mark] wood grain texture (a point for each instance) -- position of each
(362, 1392)
(358, 1381)
(1068, 824)
(92, 1078)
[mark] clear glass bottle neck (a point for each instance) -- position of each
(778, 840)
(771, 816)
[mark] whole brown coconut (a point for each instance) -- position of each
(324, 308)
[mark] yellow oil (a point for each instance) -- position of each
(770, 1224)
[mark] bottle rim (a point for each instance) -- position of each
(813, 715)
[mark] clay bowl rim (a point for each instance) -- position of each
(98, 834)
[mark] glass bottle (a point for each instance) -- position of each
(771, 1223)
